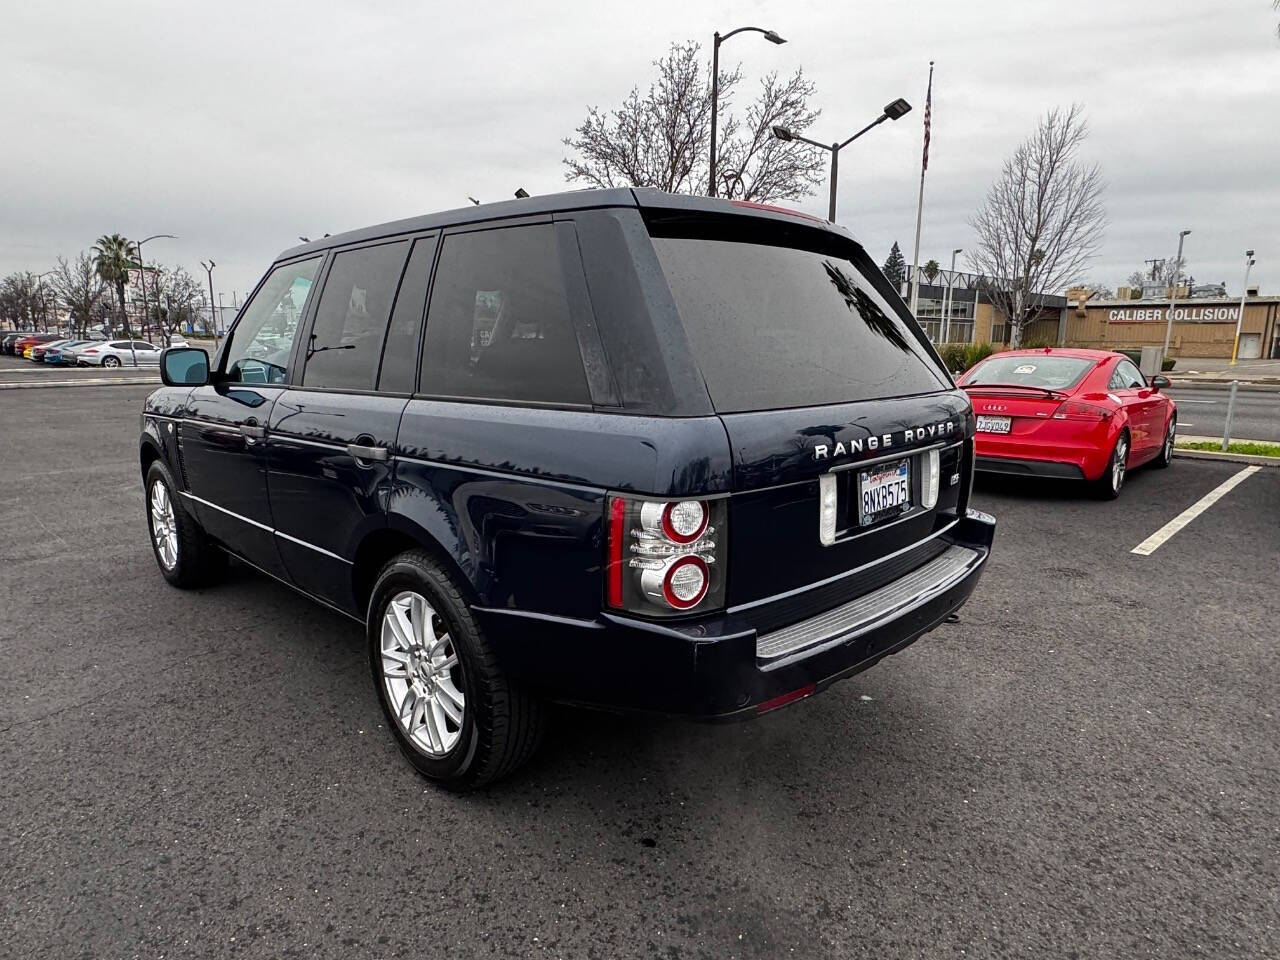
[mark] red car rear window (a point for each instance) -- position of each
(1048, 372)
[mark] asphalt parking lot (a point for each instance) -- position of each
(1088, 764)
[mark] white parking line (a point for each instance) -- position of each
(1153, 542)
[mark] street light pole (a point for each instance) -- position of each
(142, 274)
(716, 40)
(946, 301)
(1173, 295)
(44, 304)
(1244, 294)
(892, 111)
(208, 269)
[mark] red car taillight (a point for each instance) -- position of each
(1079, 410)
(665, 557)
(90, 350)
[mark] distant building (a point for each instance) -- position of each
(1204, 319)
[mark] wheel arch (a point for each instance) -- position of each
(401, 535)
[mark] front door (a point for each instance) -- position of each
(332, 433)
(224, 428)
(1145, 408)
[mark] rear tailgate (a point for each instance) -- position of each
(825, 385)
(779, 456)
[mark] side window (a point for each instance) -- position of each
(351, 318)
(400, 352)
(263, 338)
(1130, 377)
(499, 326)
(121, 345)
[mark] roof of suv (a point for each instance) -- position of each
(643, 198)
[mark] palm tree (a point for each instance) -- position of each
(112, 260)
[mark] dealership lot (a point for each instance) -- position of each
(1087, 763)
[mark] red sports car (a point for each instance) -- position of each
(1081, 414)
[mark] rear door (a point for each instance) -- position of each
(847, 436)
(332, 433)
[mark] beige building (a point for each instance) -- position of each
(1202, 326)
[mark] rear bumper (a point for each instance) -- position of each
(1077, 455)
(1029, 468)
(721, 668)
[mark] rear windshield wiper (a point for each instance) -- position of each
(1015, 386)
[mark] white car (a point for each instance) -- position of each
(117, 353)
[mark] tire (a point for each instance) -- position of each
(1166, 452)
(111, 361)
(183, 553)
(1107, 486)
(423, 659)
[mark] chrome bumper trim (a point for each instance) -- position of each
(856, 617)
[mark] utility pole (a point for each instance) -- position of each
(208, 269)
(1244, 294)
(1173, 296)
(946, 301)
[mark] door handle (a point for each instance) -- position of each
(362, 452)
(252, 434)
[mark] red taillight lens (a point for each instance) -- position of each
(1079, 410)
(665, 557)
(92, 350)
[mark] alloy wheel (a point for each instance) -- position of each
(421, 675)
(1118, 464)
(164, 527)
(1169, 440)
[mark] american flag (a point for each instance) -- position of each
(928, 120)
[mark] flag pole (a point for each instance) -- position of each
(924, 165)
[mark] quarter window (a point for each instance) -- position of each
(351, 318)
(263, 338)
(499, 326)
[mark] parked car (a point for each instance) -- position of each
(36, 353)
(115, 353)
(7, 344)
(640, 489)
(23, 347)
(1080, 414)
(55, 353)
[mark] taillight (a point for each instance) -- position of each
(1079, 410)
(665, 557)
(92, 350)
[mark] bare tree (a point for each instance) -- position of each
(179, 299)
(24, 301)
(1042, 220)
(79, 289)
(661, 138)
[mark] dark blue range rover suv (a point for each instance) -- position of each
(616, 448)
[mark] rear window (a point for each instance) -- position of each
(1051, 373)
(779, 326)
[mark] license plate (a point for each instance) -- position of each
(884, 491)
(994, 424)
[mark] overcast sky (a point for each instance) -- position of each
(239, 126)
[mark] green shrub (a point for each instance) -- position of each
(974, 352)
(1168, 363)
(952, 356)
(1036, 344)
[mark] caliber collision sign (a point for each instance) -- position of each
(1180, 315)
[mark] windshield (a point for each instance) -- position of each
(1044, 372)
(777, 326)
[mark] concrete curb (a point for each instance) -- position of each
(1231, 457)
(1246, 386)
(96, 382)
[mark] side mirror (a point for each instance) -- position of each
(184, 367)
(1160, 383)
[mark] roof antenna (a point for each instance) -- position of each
(521, 193)
(474, 200)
